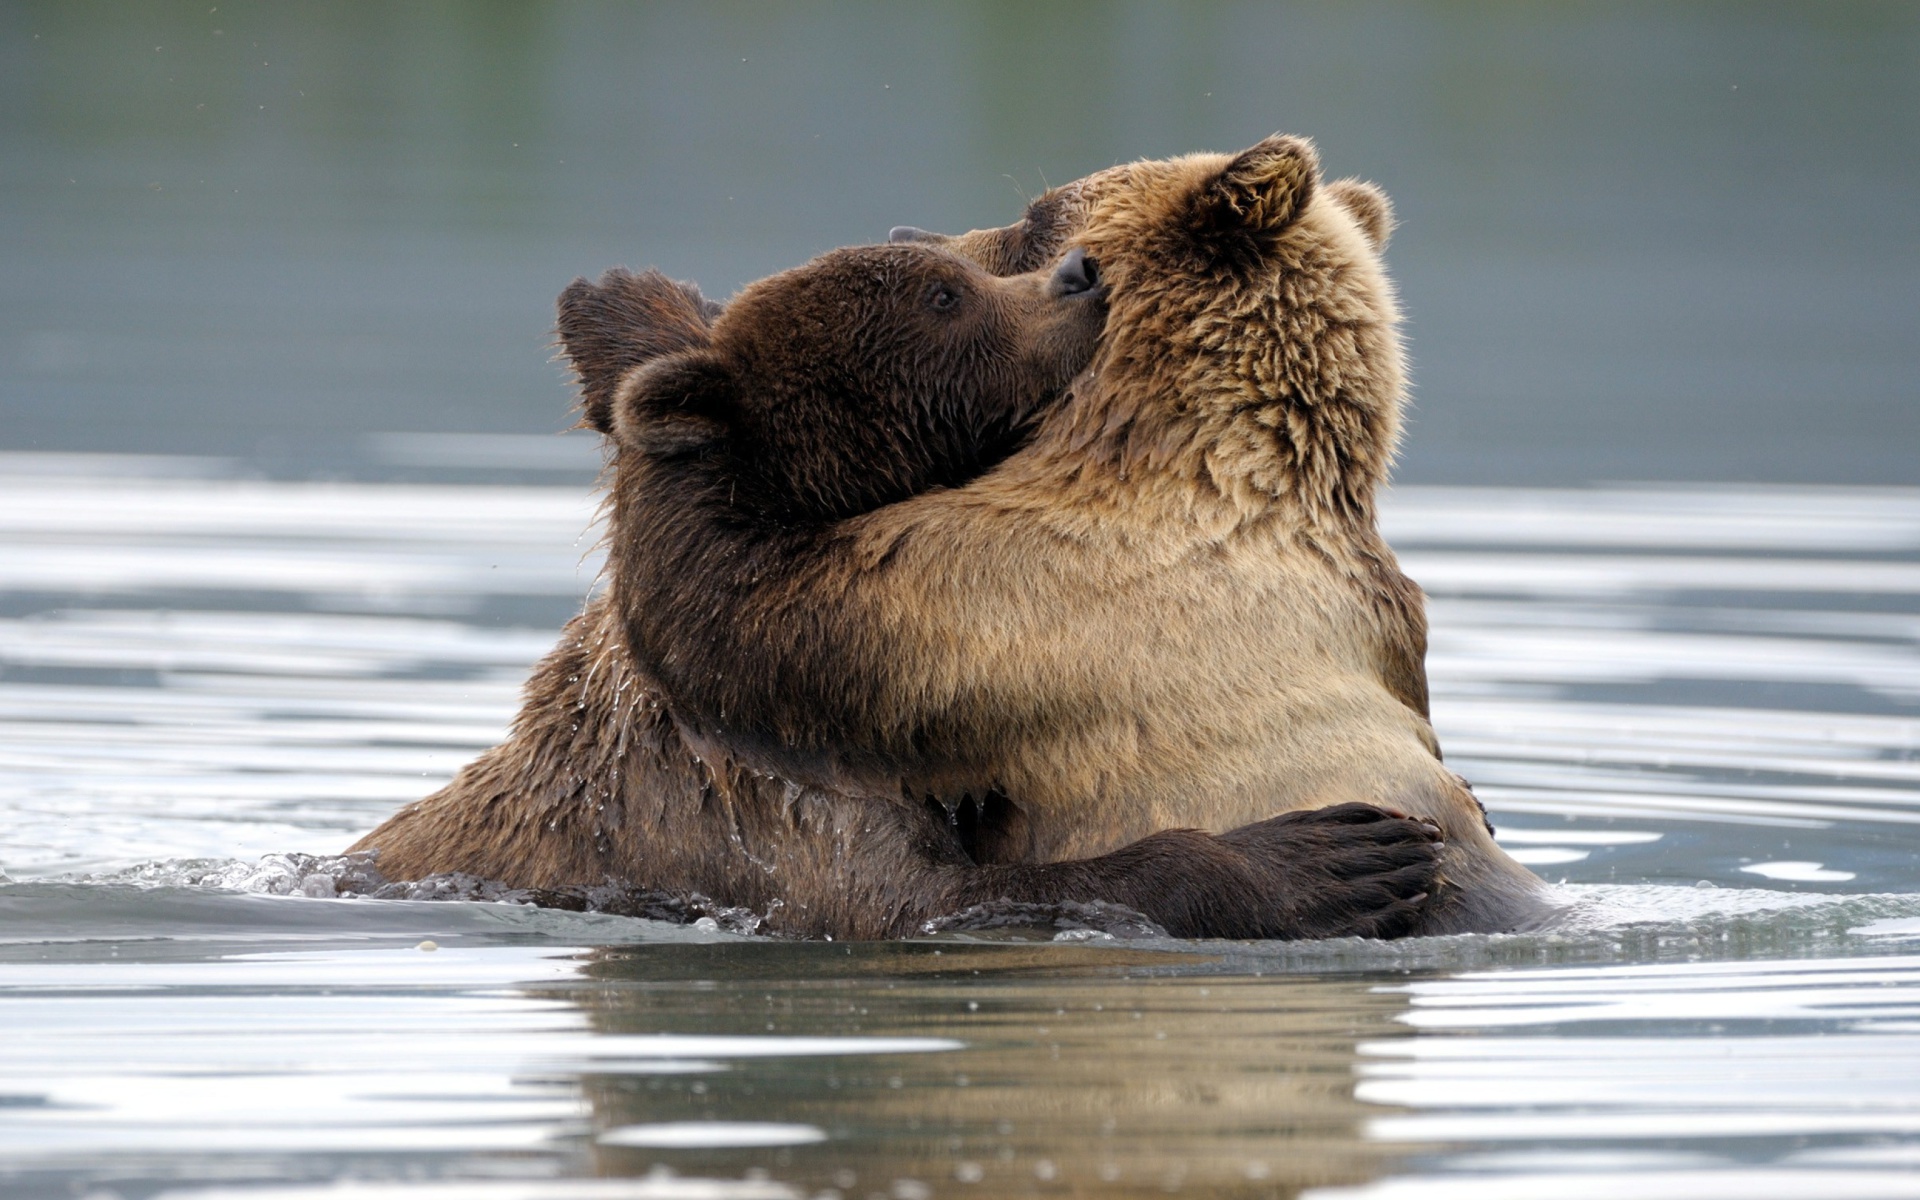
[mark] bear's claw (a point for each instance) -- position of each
(1351, 870)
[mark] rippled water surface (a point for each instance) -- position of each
(1697, 711)
(1639, 241)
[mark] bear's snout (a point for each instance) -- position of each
(1076, 275)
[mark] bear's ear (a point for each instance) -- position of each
(1258, 194)
(673, 405)
(1369, 206)
(623, 321)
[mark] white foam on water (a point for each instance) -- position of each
(1546, 856)
(1575, 837)
(710, 1135)
(1598, 907)
(1808, 872)
(1890, 927)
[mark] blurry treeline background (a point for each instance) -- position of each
(1659, 240)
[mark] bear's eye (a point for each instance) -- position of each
(941, 297)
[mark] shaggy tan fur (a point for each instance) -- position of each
(765, 699)
(1174, 606)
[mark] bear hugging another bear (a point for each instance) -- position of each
(1035, 565)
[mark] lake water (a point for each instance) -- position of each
(284, 519)
(1696, 709)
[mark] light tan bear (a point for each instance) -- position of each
(1173, 607)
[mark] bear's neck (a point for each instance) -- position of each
(1228, 453)
(1255, 401)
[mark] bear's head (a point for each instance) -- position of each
(863, 377)
(1252, 345)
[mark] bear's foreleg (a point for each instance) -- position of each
(1352, 870)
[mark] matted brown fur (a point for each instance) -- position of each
(606, 777)
(1173, 607)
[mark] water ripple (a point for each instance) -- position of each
(1653, 689)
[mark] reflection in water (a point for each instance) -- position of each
(1695, 687)
(735, 1068)
(1084, 1072)
(872, 1069)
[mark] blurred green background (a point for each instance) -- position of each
(1667, 240)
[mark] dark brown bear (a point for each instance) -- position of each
(865, 376)
(1171, 607)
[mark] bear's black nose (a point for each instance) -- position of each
(907, 233)
(1076, 273)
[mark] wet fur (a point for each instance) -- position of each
(606, 778)
(1172, 607)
